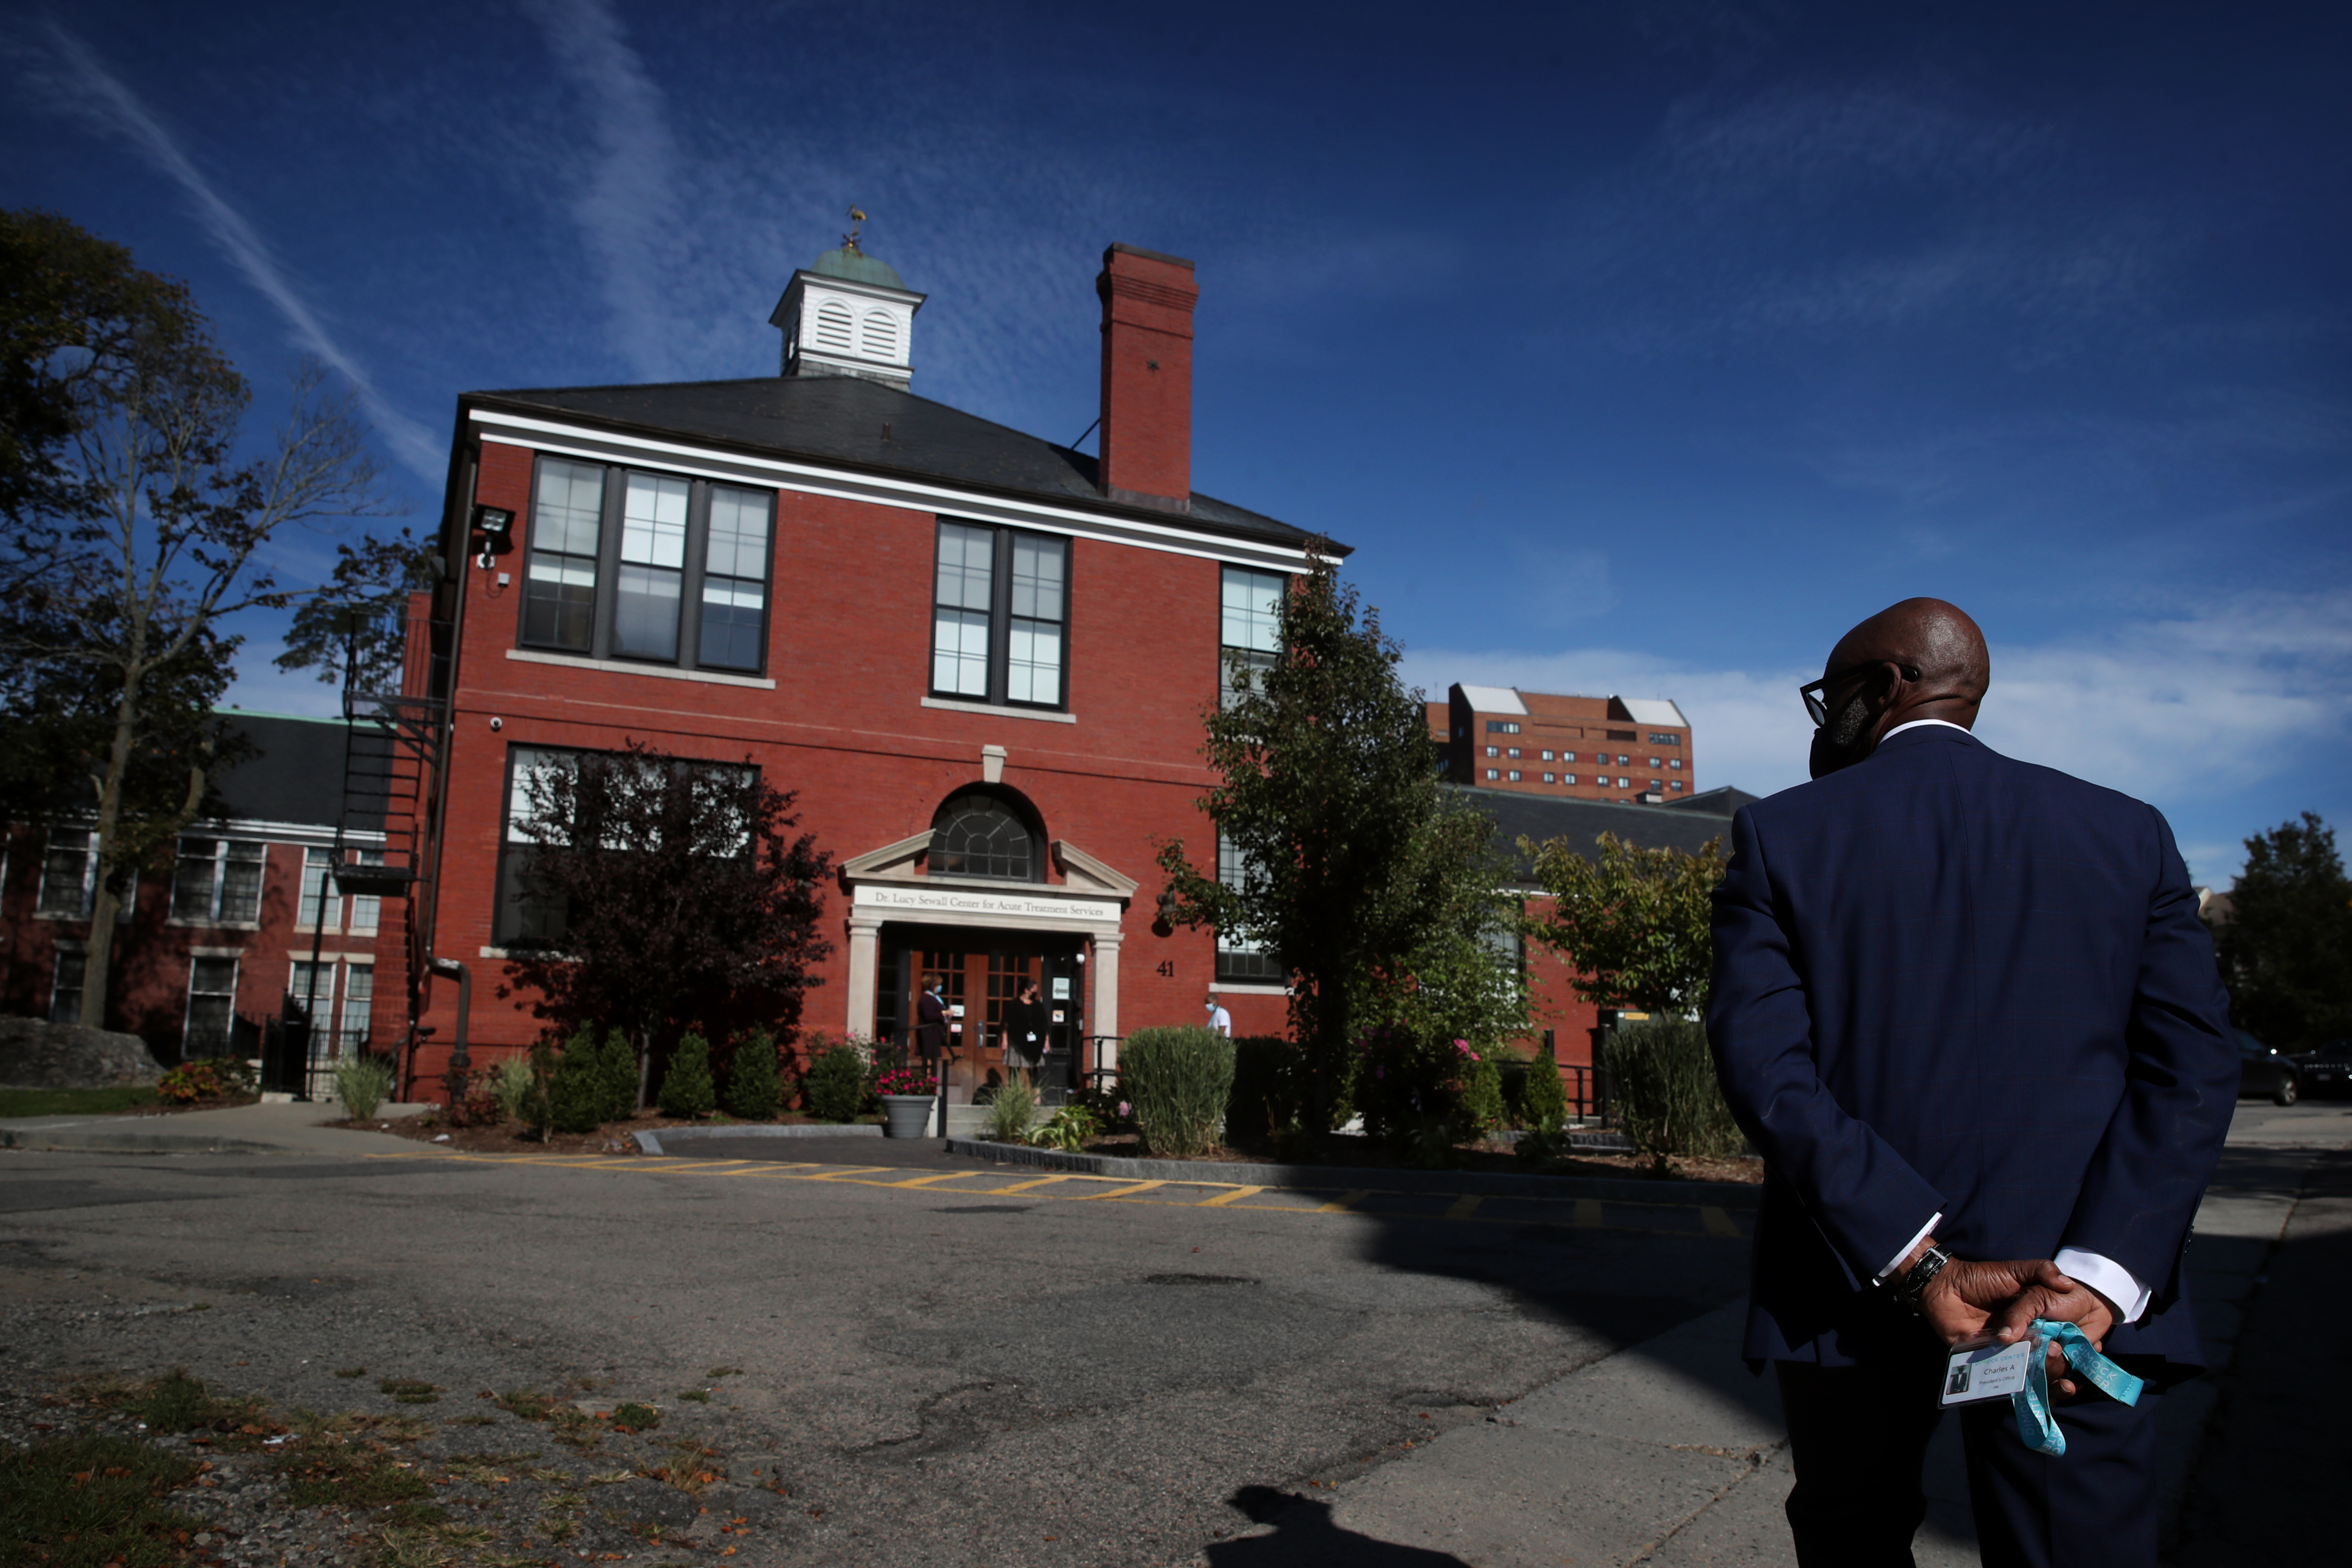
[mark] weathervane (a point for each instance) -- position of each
(849, 240)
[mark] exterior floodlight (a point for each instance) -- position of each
(495, 521)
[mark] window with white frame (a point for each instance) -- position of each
(359, 1002)
(217, 882)
(1239, 959)
(317, 891)
(525, 911)
(1568, 778)
(629, 564)
(1000, 615)
(69, 875)
(212, 1005)
(65, 984)
(1514, 775)
(1249, 623)
(367, 908)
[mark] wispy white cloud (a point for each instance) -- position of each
(109, 102)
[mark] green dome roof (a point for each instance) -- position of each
(857, 267)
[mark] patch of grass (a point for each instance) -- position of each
(414, 1515)
(487, 1468)
(475, 1421)
(556, 1529)
(636, 1417)
(573, 1427)
(699, 1395)
(351, 1372)
(689, 1469)
(409, 1391)
(528, 1402)
(80, 1502)
(179, 1403)
(73, 1102)
(327, 1470)
(722, 1372)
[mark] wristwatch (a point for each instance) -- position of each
(1915, 1278)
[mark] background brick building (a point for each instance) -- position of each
(1572, 748)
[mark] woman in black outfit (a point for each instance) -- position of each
(1025, 1025)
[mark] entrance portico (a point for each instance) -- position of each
(1085, 908)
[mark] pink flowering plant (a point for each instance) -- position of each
(906, 1081)
(1406, 1084)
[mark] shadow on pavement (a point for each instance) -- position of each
(1305, 1537)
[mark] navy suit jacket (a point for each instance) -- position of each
(1947, 980)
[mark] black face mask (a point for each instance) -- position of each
(1838, 744)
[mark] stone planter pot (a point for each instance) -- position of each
(905, 1115)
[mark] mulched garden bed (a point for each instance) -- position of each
(1370, 1153)
(514, 1138)
(170, 1108)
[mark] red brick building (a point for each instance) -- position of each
(210, 949)
(1573, 748)
(979, 658)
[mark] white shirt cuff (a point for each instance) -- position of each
(1897, 1261)
(2110, 1278)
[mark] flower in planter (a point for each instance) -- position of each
(906, 1081)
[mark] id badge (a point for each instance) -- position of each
(1987, 1370)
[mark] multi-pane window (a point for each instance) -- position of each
(735, 579)
(1665, 739)
(1494, 751)
(1568, 778)
(1674, 762)
(339, 1024)
(634, 565)
(652, 568)
(1515, 751)
(68, 873)
(1238, 958)
(1502, 726)
(367, 908)
(1549, 779)
(978, 835)
(65, 985)
(316, 889)
(1568, 756)
(525, 911)
(999, 616)
(1677, 786)
(1250, 625)
(1493, 773)
(212, 1003)
(559, 592)
(1514, 775)
(217, 882)
(359, 1001)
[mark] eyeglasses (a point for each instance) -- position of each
(1816, 692)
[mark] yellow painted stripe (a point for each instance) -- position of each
(843, 1173)
(1235, 1196)
(1127, 1191)
(1463, 1208)
(1345, 1201)
(1718, 1223)
(1025, 1185)
(934, 1176)
(1588, 1213)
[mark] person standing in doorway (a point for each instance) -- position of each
(932, 1021)
(1965, 1009)
(1025, 1036)
(1218, 1019)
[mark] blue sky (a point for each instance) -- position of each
(1637, 346)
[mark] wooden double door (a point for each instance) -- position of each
(982, 976)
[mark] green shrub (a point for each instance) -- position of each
(363, 1083)
(686, 1088)
(510, 1085)
(1543, 1098)
(1479, 1104)
(835, 1088)
(1404, 1084)
(575, 1094)
(755, 1089)
(1012, 1108)
(1663, 1087)
(1269, 1087)
(1178, 1080)
(617, 1079)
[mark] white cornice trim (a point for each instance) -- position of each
(993, 711)
(631, 667)
(812, 478)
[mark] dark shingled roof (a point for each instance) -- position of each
(297, 778)
(841, 419)
(1686, 825)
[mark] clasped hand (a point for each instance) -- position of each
(1972, 1300)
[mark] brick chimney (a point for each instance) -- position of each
(1146, 378)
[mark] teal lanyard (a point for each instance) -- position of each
(2037, 1423)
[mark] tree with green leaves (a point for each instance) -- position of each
(1630, 921)
(1376, 893)
(135, 526)
(2287, 948)
(676, 895)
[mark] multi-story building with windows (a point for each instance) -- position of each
(244, 916)
(1573, 748)
(978, 659)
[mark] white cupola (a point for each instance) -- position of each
(849, 315)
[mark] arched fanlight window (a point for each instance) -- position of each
(980, 835)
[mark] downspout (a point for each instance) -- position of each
(452, 557)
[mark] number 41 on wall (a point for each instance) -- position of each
(1167, 968)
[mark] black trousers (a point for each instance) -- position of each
(1859, 1439)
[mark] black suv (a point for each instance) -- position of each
(2262, 1070)
(2327, 1069)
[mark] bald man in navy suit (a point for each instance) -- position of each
(1964, 1006)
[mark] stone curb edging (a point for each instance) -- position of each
(65, 1140)
(1720, 1194)
(650, 1141)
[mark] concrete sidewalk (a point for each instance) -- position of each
(1670, 1453)
(280, 1128)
